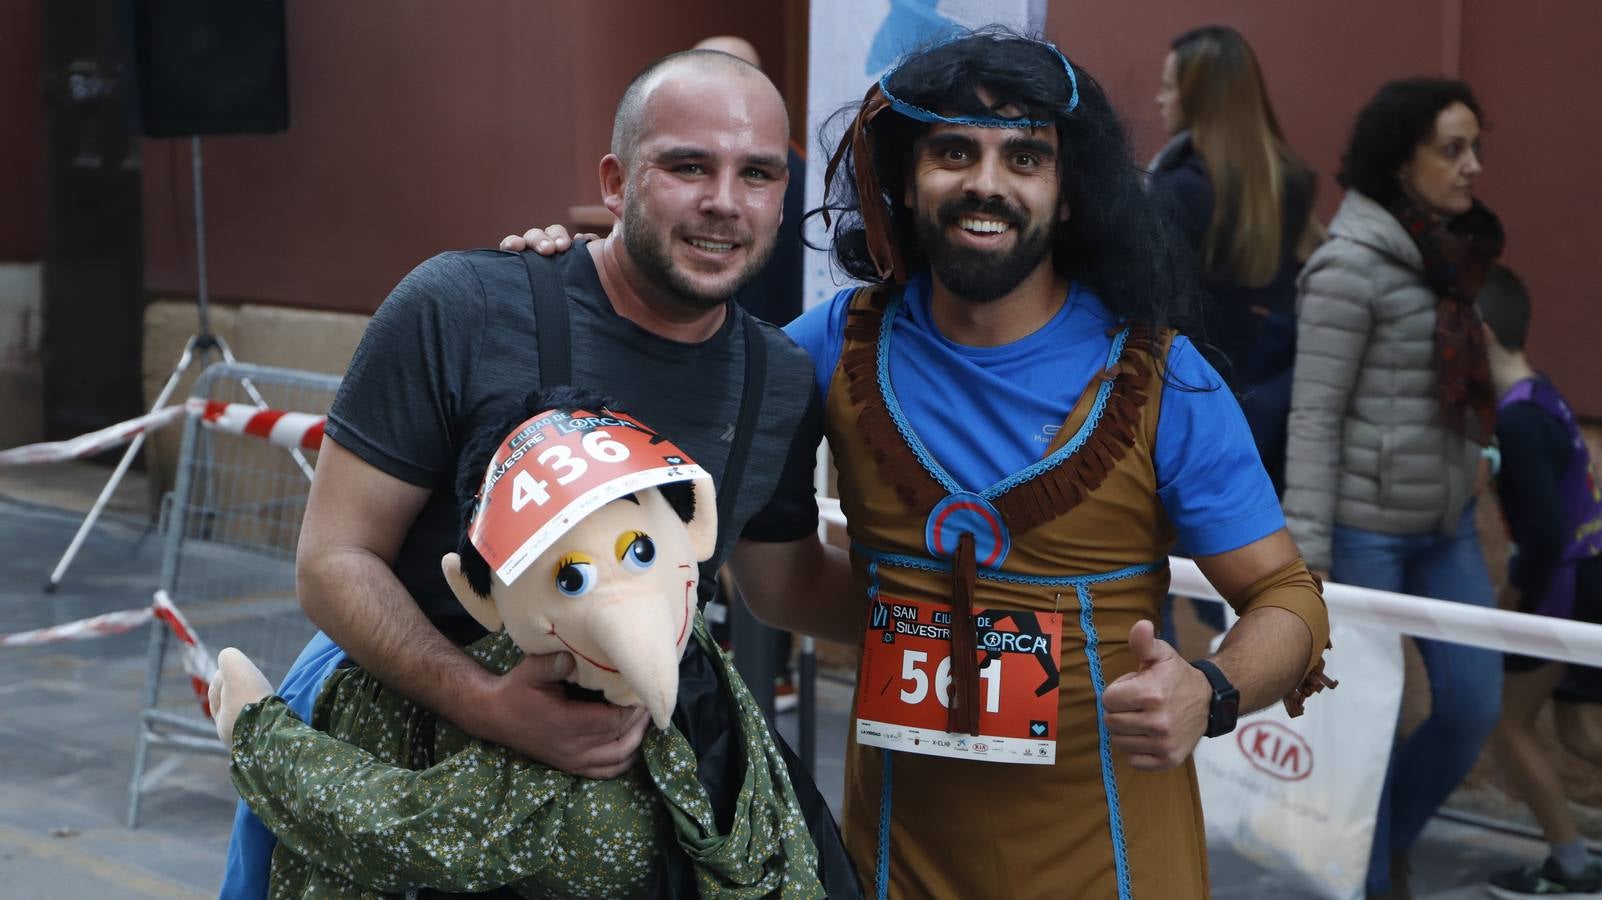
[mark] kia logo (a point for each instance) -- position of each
(1276, 750)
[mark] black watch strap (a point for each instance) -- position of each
(1224, 707)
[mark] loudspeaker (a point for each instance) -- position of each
(210, 66)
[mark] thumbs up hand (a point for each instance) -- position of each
(1158, 712)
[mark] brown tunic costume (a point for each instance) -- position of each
(1088, 826)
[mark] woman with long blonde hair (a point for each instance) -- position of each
(1244, 199)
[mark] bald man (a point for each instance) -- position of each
(737, 47)
(696, 176)
(774, 294)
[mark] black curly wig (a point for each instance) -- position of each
(1118, 240)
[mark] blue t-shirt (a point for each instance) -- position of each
(1209, 477)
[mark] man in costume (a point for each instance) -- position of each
(1021, 440)
(697, 178)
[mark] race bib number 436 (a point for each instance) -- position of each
(557, 468)
(904, 686)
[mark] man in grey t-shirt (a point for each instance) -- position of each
(697, 177)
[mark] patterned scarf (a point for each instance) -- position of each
(1458, 252)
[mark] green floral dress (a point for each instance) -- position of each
(378, 796)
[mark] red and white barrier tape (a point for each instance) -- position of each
(285, 429)
(198, 662)
(294, 430)
(93, 627)
(1461, 623)
(89, 444)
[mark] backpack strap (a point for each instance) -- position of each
(751, 391)
(556, 367)
(550, 320)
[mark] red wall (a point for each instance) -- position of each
(634, 33)
(439, 126)
(1531, 70)
(22, 117)
(433, 126)
(1535, 74)
(418, 130)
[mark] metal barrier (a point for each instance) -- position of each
(231, 525)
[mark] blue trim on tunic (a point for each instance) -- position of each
(926, 459)
(923, 564)
(1109, 777)
(1081, 585)
(893, 405)
(882, 877)
(1078, 440)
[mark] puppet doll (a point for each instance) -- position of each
(582, 533)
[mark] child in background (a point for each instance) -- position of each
(1552, 502)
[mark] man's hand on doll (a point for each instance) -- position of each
(528, 710)
(547, 241)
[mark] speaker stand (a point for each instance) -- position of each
(199, 347)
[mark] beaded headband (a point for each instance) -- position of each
(920, 114)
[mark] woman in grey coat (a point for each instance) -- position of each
(1392, 411)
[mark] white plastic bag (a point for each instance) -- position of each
(1298, 796)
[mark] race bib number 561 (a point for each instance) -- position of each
(905, 683)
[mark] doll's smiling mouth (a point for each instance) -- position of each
(580, 653)
(683, 628)
(688, 587)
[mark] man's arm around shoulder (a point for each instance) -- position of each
(356, 520)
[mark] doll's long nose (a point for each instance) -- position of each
(640, 638)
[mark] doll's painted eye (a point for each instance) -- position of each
(575, 578)
(640, 554)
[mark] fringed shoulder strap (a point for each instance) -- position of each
(1057, 490)
(859, 363)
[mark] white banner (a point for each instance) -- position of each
(1297, 796)
(852, 43)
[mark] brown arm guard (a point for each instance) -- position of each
(1298, 591)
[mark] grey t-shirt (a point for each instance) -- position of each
(454, 346)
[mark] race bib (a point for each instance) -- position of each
(904, 686)
(556, 469)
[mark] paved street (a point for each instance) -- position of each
(68, 714)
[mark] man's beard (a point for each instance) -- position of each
(981, 276)
(655, 261)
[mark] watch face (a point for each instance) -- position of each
(1225, 709)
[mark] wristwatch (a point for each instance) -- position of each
(1225, 705)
